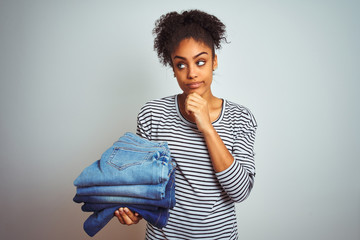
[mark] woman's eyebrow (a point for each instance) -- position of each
(197, 55)
(200, 54)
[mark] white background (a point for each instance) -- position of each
(74, 75)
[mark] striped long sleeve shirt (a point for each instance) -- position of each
(204, 198)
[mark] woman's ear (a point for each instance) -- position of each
(215, 62)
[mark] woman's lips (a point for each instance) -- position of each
(194, 85)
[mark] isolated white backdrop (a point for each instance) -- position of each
(74, 75)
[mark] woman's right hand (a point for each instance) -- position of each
(127, 217)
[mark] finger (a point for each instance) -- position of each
(190, 101)
(138, 216)
(117, 214)
(195, 97)
(126, 218)
(194, 94)
(187, 105)
(195, 100)
(131, 215)
(194, 106)
(190, 109)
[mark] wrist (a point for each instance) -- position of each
(208, 131)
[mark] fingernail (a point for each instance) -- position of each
(126, 210)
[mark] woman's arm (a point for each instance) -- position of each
(220, 156)
(235, 171)
(198, 107)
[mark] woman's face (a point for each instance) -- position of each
(193, 66)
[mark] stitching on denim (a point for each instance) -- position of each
(120, 168)
(124, 166)
(131, 149)
(138, 148)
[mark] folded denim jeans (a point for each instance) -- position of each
(97, 207)
(142, 191)
(134, 173)
(150, 172)
(95, 222)
(131, 160)
(167, 202)
(104, 212)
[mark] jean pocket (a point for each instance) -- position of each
(122, 158)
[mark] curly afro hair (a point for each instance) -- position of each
(171, 28)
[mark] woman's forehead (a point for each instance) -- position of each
(191, 47)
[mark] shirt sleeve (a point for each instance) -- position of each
(144, 121)
(238, 179)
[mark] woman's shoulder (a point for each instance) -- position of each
(236, 108)
(160, 102)
(159, 105)
(239, 112)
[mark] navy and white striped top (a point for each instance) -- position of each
(204, 199)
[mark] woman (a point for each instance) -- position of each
(210, 139)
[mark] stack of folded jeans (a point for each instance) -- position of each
(135, 173)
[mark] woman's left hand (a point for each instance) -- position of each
(127, 217)
(197, 106)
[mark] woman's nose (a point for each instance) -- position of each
(192, 72)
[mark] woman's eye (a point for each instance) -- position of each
(181, 65)
(201, 63)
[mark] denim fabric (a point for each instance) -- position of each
(134, 173)
(143, 191)
(97, 207)
(130, 156)
(149, 172)
(98, 220)
(167, 202)
(132, 138)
